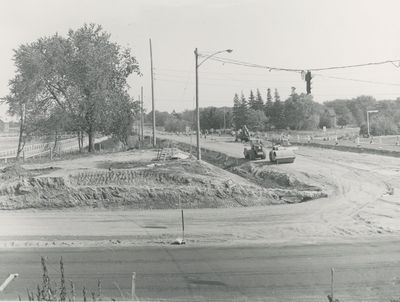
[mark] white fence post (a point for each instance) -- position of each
(133, 289)
(332, 273)
(10, 278)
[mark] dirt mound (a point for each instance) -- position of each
(192, 184)
(12, 171)
(290, 187)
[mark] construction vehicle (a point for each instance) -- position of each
(242, 134)
(256, 150)
(281, 155)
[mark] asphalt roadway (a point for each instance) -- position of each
(363, 271)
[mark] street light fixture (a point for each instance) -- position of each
(368, 112)
(197, 65)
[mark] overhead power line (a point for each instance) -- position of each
(247, 64)
(357, 80)
(167, 76)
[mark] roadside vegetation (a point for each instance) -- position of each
(50, 290)
(265, 111)
(74, 83)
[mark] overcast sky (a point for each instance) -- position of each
(294, 34)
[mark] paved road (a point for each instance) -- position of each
(363, 272)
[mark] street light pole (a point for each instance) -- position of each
(197, 65)
(368, 112)
(196, 54)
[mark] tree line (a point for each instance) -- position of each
(297, 112)
(76, 82)
(354, 112)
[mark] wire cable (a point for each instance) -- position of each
(357, 80)
(270, 68)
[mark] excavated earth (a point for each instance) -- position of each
(134, 180)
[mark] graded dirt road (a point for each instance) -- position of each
(358, 205)
(363, 272)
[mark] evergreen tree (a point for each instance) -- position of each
(278, 112)
(236, 111)
(252, 101)
(240, 111)
(259, 103)
(276, 95)
(269, 96)
(268, 108)
(244, 111)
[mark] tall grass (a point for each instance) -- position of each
(48, 290)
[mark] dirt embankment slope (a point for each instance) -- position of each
(128, 179)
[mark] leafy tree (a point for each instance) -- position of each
(84, 75)
(120, 122)
(359, 107)
(213, 118)
(325, 119)
(301, 112)
(161, 117)
(256, 120)
(172, 124)
(383, 124)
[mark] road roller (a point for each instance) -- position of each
(281, 155)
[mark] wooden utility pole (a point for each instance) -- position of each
(224, 121)
(138, 123)
(152, 97)
(196, 56)
(141, 114)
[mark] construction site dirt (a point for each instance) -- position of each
(122, 195)
(122, 205)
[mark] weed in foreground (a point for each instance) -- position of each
(48, 290)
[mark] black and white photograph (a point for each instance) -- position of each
(200, 150)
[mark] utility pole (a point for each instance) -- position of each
(197, 65)
(152, 97)
(308, 78)
(224, 121)
(141, 114)
(138, 123)
(368, 127)
(197, 105)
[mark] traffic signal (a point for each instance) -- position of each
(308, 78)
